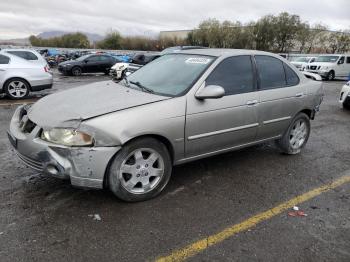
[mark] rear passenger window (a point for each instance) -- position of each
(292, 78)
(31, 56)
(24, 54)
(348, 59)
(271, 72)
(234, 74)
(4, 60)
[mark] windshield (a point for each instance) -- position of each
(170, 50)
(302, 59)
(330, 59)
(82, 58)
(170, 75)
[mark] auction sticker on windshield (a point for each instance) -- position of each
(198, 60)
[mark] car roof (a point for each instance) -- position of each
(224, 52)
(18, 49)
(331, 54)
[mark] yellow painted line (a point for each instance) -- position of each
(198, 246)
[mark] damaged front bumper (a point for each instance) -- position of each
(84, 166)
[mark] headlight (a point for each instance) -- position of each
(348, 83)
(324, 67)
(67, 137)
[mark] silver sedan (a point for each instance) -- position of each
(181, 107)
(19, 77)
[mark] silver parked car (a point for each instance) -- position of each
(178, 108)
(18, 76)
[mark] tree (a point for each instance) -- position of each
(264, 34)
(111, 41)
(286, 28)
(74, 40)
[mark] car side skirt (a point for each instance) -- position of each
(213, 153)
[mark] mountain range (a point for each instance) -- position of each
(49, 34)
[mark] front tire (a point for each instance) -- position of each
(76, 71)
(346, 104)
(330, 75)
(296, 136)
(140, 170)
(16, 88)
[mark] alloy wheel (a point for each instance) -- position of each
(298, 134)
(141, 171)
(17, 89)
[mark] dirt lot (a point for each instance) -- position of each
(45, 219)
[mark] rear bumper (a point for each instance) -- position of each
(41, 87)
(84, 166)
(42, 83)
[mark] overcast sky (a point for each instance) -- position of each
(20, 18)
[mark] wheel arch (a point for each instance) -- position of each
(308, 112)
(158, 137)
(16, 77)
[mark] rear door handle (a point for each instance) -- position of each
(299, 94)
(252, 102)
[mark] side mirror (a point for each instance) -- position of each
(210, 92)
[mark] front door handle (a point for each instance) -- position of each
(252, 102)
(299, 94)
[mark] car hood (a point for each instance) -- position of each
(321, 64)
(298, 63)
(70, 62)
(69, 108)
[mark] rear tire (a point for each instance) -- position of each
(16, 88)
(140, 170)
(296, 136)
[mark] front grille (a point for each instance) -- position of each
(31, 162)
(313, 67)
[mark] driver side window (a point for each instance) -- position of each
(93, 59)
(234, 74)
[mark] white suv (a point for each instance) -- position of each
(330, 66)
(302, 61)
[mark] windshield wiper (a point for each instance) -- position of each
(143, 88)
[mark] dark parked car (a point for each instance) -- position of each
(144, 58)
(139, 60)
(87, 64)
